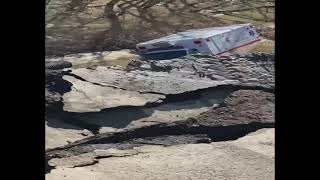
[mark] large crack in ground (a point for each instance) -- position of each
(162, 135)
(120, 117)
(220, 113)
(165, 135)
(242, 112)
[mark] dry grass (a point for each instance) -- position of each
(266, 46)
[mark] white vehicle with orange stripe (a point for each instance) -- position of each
(213, 41)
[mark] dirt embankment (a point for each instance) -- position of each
(88, 27)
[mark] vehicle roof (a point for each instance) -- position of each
(195, 33)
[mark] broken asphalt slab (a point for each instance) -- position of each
(153, 81)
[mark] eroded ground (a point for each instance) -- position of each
(148, 116)
(108, 99)
(111, 115)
